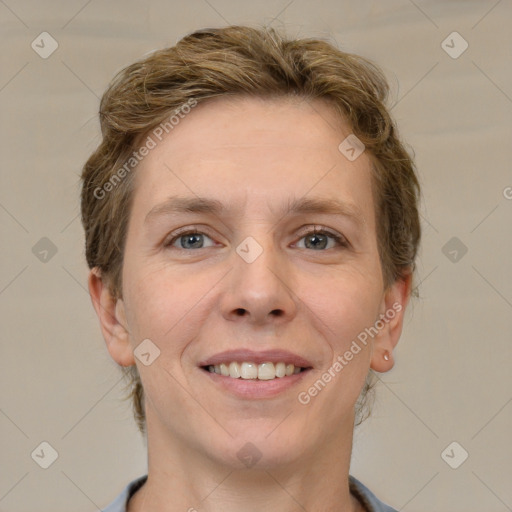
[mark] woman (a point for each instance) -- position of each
(251, 223)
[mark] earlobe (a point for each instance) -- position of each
(112, 317)
(392, 316)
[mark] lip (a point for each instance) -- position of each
(251, 356)
(254, 389)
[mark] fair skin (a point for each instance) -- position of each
(198, 297)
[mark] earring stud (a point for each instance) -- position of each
(386, 356)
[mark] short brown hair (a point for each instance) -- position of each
(241, 60)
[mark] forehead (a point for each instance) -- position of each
(253, 151)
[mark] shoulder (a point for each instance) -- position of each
(119, 504)
(366, 497)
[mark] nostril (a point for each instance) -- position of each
(240, 311)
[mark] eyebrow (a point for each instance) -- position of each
(177, 205)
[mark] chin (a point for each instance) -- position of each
(259, 450)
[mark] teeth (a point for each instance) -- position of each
(247, 370)
(267, 371)
(234, 370)
(280, 370)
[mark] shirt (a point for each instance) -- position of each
(360, 491)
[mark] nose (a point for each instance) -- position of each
(259, 291)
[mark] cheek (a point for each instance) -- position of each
(165, 305)
(345, 304)
(347, 308)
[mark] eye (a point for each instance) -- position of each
(188, 239)
(318, 238)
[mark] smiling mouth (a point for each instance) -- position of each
(253, 371)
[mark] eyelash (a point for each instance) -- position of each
(341, 240)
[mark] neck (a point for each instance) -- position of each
(180, 478)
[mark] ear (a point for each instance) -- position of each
(111, 315)
(392, 313)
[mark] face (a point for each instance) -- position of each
(278, 264)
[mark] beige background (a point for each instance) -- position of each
(452, 380)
